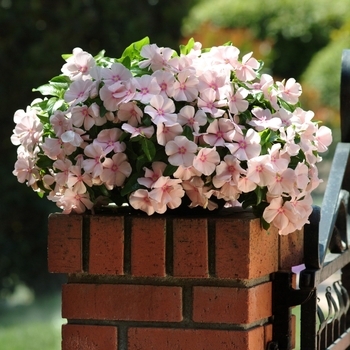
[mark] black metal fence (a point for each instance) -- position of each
(326, 254)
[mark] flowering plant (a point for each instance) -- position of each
(155, 129)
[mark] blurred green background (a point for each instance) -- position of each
(303, 39)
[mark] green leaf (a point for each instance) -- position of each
(131, 185)
(188, 133)
(65, 56)
(44, 162)
(133, 50)
(185, 49)
(49, 89)
(148, 148)
(100, 55)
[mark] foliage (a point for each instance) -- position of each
(298, 28)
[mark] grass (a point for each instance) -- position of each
(36, 326)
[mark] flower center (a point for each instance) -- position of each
(144, 91)
(203, 158)
(182, 150)
(278, 178)
(259, 168)
(114, 168)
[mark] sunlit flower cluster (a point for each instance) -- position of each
(156, 129)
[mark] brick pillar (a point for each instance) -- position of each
(163, 282)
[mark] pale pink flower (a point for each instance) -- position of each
(287, 118)
(195, 191)
(229, 170)
(208, 103)
(108, 140)
(116, 170)
(78, 65)
(245, 70)
(64, 165)
(236, 100)
(188, 116)
(283, 182)
(288, 136)
(26, 170)
(278, 161)
(141, 200)
(157, 58)
(302, 176)
(219, 132)
(55, 148)
(161, 110)
(214, 79)
(73, 136)
(181, 151)
(186, 86)
(245, 147)
(260, 170)
(228, 192)
(264, 120)
(77, 180)
(93, 165)
(130, 112)
(166, 82)
(206, 160)
(186, 173)
(115, 94)
(76, 201)
(323, 138)
(245, 185)
(27, 132)
(85, 115)
(136, 131)
(151, 176)
(279, 215)
(225, 55)
(78, 91)
(60, 123)
(117, 72)
(301, 207)
(289, 92)
(147, 87)
(166, 191)
(167, 133)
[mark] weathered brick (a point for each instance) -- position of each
(291, 250)
(106, 255)
(232, 305)
(190, 247)
(243, 249)
(65, 243)
(148, 246)
(86, 337)
(122, 302)
(195, 339)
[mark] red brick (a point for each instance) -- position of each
(106, 255)
(190, 247)
(122, 302)
(291, 250)
(243, 249)
(65, 243)
(195, 339)
(232, 305)
(268, 333)
(148, 246)
(85, 337)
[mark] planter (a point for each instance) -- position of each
(165, 282)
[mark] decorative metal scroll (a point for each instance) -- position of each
(332, 332)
